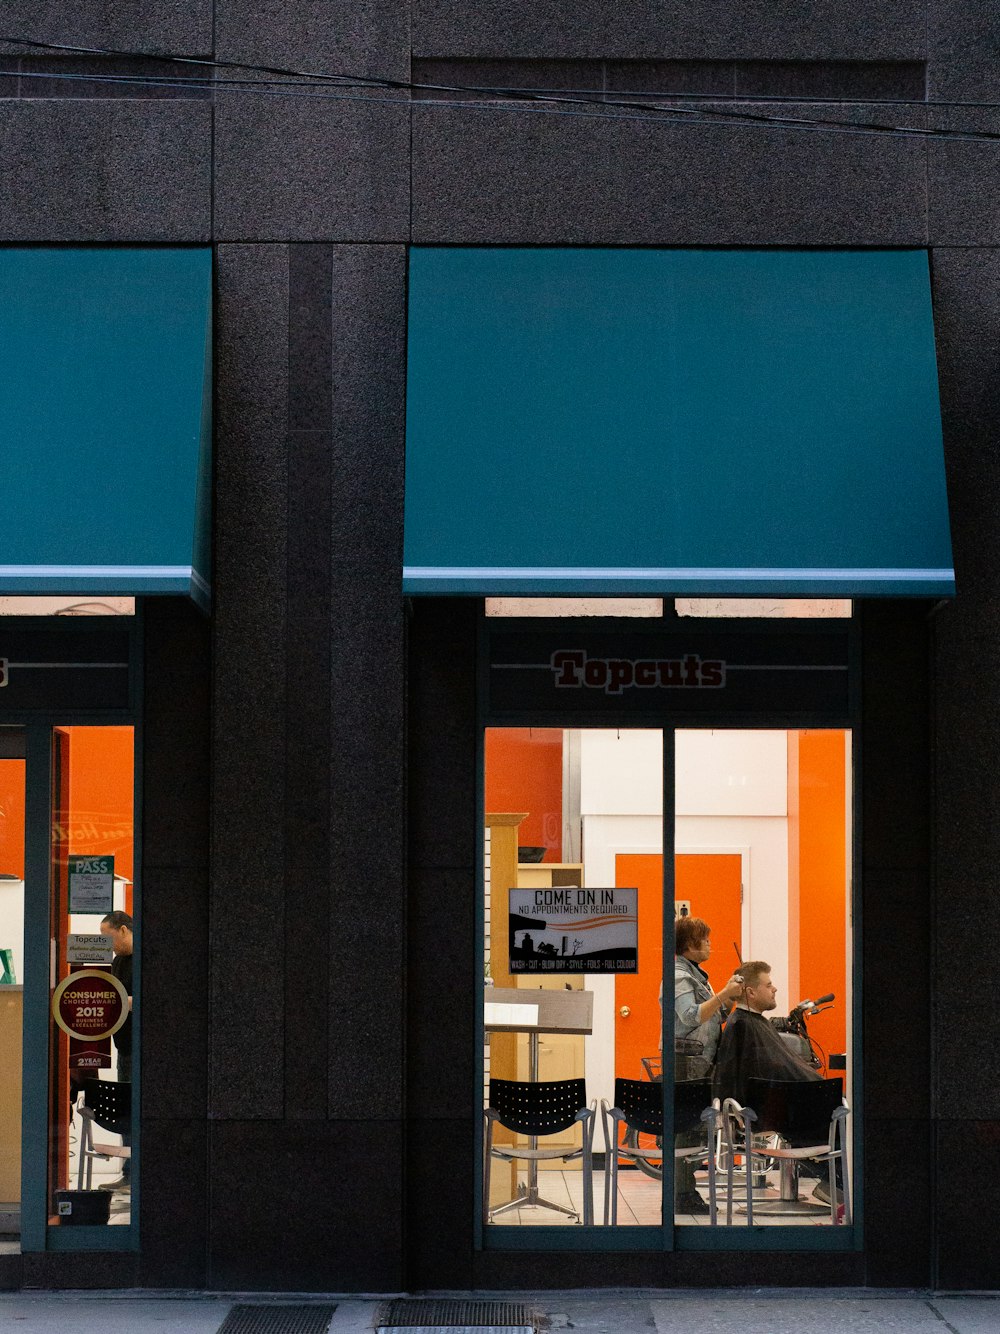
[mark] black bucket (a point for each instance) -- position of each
(78, 1207)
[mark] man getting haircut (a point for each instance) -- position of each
(751, 1047)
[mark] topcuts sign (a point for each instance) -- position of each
(574, 670)
(684, 671)
(83, 666)
(90, 1004)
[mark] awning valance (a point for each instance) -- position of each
(673, 421)
(105, 418)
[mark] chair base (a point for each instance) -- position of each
(527, 1197)
(779, 1208)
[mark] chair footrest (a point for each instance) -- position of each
(112, 1150)
(536, 1155)
(819, 1152)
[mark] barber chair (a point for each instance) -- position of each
(805, 1121)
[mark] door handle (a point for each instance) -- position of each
(624, 1012)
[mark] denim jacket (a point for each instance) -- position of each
(691, 990)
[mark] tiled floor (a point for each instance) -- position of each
(639, 1203)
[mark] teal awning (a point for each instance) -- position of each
(105, 421)
(738, 422)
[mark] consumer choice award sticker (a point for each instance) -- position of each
(90, 1004)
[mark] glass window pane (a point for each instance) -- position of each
(574, 607)
(767, 608)
(762, 890)
(93, 952)
(66, 606)
(574, 909)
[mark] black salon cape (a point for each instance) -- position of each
(751, 1048)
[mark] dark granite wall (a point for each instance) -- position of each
(310, 1098)
(306, 1051)
(965, 1083)
(176, 944)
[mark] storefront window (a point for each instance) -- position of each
(575, 871)
(93, 955)
(762, 841)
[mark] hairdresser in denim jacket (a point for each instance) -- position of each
(699, 1011)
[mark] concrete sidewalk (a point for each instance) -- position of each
(720, 1311)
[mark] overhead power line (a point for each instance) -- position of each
(670, 108)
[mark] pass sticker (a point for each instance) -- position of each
(91, 884)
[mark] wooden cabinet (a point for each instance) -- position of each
(501, 1048)
(11, 1023)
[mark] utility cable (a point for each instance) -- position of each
(549, 102)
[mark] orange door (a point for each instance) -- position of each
(637, 1033)
(711, 882)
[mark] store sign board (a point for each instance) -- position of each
(79, 663)
(91, 884)
(88, 949)
(90, 1004)
(684, 672)
(573, 930)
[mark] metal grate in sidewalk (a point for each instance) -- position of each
(268, 1318)
(430, 1316)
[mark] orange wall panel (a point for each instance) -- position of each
(12, 818)
(101, 795)
(524, 770)
(821, 874)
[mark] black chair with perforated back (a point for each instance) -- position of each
(108, 1104)
(537, 1109)
(808, 1121)
(639, 1108)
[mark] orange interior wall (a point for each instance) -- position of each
(12, 818)
(818, 875)
(100, 795)
(101, 775)
(524, 770)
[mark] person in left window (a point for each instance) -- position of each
(117, 926)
